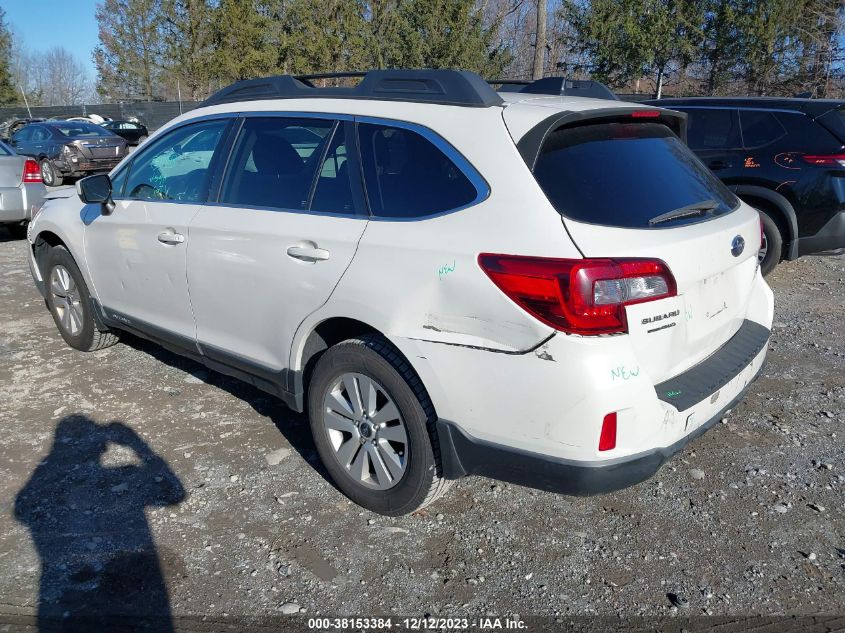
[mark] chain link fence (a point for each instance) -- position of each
(153, 114)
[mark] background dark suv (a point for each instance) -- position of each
(785, 157)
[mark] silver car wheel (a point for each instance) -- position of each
(366, 431)
(46, 173)
(66, 300)
(764, 249)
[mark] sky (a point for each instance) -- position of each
(48, 23)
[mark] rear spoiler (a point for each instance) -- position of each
(530, 144)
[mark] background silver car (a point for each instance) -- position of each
(21, 190)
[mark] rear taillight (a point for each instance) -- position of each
(825, 160)
(762, 229)
(646, 114)
(31, 171)
(607, 438)
(579, 296)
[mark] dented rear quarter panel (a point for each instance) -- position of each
(419, 279)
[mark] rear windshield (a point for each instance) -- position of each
(82, 130)
(626, 175)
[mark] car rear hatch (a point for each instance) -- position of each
(626, 186)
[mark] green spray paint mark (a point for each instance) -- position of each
(625, 373)
(445, 270)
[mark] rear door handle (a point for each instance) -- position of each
(168, 237)
(308, 253)
(718, 164)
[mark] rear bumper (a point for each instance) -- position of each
(16, 203)
(830, 240)
(731, 369)
(463, 455)
(87, 166)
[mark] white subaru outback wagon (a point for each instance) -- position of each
(547, 290)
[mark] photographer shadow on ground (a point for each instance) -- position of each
(84, 507)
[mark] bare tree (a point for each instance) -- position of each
(540, 41)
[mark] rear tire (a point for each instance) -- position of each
(772, 249)
(70, 303)
(371, 438)
(51, 176)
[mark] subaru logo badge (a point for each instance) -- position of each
(737, 246)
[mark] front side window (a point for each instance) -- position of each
(177, 165)
(408, 176)
(275, 161)
(712, 129)
(24, 134)
(627, 174)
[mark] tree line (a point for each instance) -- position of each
(168, 49)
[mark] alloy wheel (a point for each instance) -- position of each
(46, 173)
(66, 300)
(366, 431)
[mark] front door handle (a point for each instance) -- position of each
(308, 252)
(718, 164)
(168, 237)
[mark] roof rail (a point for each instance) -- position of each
(557, 86)
(440, 86)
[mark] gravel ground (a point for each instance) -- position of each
(140, 482)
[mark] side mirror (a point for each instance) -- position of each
(96, 189)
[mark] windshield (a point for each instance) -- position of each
(626, 175)
(74, 129)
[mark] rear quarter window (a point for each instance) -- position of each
(625, 174)
(408, 176)
(712, 129)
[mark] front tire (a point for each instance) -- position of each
(70, 303)
(373, 426)
(51, 176)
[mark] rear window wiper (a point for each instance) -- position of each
(696, 208)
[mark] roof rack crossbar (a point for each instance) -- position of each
(439, 86)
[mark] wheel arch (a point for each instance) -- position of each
(776, 204)
(318, 337)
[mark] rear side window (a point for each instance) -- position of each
(408, 176)
(712, 129)
(625, 174)
(759, 128)
(275, 161)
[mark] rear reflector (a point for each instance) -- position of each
(579, 296)
(31, 171)
(645, 114)
(830, 160)
(607, 439)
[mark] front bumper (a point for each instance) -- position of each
(729, 372)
